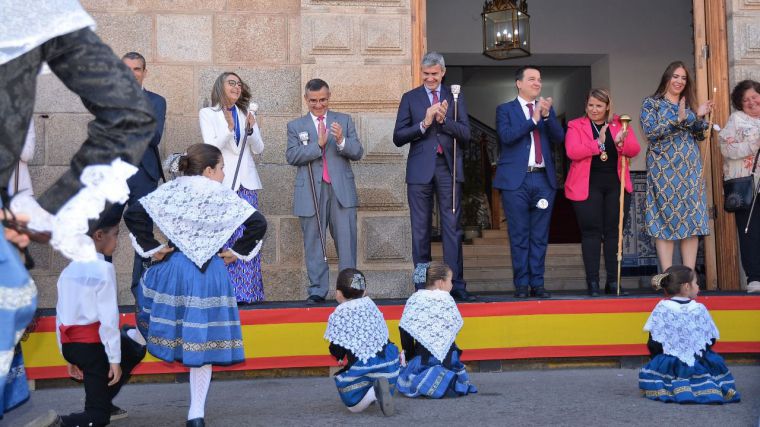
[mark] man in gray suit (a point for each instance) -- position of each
(326, 141)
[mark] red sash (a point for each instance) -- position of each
(87, 334)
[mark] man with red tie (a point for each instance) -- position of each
(326, 141)
(527, 128)
(426, 122)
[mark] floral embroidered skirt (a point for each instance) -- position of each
(188, 315)
(353, 383)
(668, 379)
(246, 275)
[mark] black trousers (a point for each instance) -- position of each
(92, 360)
(749, 242)
(598, 220)
(123, 123)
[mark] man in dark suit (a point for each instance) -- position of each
(325, 141)
(527, 128)
(426, 122)
(149, 168)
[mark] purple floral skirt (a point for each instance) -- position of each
(246, 275)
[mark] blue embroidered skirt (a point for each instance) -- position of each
(246, 275)
(354, 382)
(668, 379)
(189, 316)
(434, 380)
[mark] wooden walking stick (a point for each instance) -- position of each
(625, 119)
(304, 137)
(706, 150)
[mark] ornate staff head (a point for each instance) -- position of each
(455, 89)
(253, 107)
(625, 119)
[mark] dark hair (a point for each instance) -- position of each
(109, 218)
(673, 278)
(437, 270)
(217, 92)
(738, 93)
(197, 158)
(688, 90)
(604, 96)
(520, 73)
(315, 85)
(134, 55)
(351, 283)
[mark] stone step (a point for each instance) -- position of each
(558, 249)
(551, 272)
(493, 234)
(504, 260)
(566, 284)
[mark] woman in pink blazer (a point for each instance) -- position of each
(595, 145)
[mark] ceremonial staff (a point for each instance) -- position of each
(455, 89)
(625, 119)
(252, 108)
(706, 153)
(304, 137)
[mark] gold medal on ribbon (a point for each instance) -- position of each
(603, 156)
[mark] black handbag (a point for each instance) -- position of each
(739, 192)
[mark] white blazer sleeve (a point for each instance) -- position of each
(255, 141)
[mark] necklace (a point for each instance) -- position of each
(603, 155)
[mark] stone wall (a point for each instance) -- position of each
(743, 28)
(362, 48)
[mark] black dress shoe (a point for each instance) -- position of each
(540, 292)
(314, 299)
(593, 288)
(611, 289)
(195, 422)
(521, 292)
(463, 296)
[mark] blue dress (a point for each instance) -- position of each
(424, 375)
(18, 301)
(676, 201)
(355, 380)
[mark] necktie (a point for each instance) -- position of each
(536, 138)
(439, 149)
(321, 129)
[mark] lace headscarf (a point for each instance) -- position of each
(433, 319)
(358, 326)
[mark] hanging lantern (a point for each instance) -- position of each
(506, 29)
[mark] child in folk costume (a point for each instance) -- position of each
(429, 324)
(357, 332)
(87, 326)
(684, 369)
(187, 311)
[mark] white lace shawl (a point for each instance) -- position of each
(198, 214)
(358, 326)
(684, 330)
(27, 25)
(433, 319)
(68, 227)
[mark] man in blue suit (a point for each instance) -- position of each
(149, 169)
(426, 122)
(527, 128)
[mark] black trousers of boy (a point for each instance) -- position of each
(92, 360)
(598, 220)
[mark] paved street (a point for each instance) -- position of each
(566, 397)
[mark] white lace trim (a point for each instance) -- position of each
(250, 256)
(14, 298)
(68, 228)
(142, 252)
(6, 358)
(197, 214)
(358, 326)
(684, 330)
(433, 319)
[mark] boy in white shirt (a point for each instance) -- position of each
(87, 325)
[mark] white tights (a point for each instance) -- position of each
(200, 379)
(365, 402)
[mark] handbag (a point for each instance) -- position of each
(739, 192)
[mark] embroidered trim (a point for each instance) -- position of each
(251, 255)
(142, 252)
(189, 301)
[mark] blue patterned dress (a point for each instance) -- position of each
(246, 275)
(676, 202)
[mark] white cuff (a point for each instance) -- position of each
(342, 145)
(250, 256)
(142, 252)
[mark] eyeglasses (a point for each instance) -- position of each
(318, 101)
(233, 83)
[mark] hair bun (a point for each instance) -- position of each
(183, 163)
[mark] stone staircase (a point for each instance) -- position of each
(488, 265)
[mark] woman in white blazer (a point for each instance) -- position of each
(224, 125)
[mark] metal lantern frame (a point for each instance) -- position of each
(506, 29)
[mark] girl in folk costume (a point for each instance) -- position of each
(684, 369)
(357, 333)
(187, 310)
(429, 324)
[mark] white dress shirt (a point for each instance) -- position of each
(87, 294)
(315, 119)
(532, 156)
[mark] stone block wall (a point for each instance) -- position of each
(362, 48)
(743, 28)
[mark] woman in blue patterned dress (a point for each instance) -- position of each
(676, 203)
